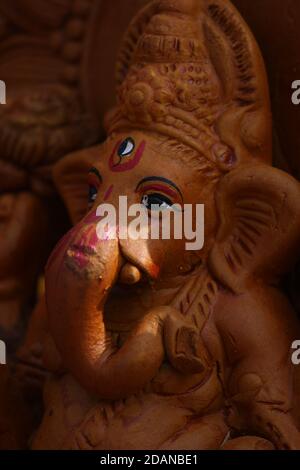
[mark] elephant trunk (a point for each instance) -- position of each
(77, 285)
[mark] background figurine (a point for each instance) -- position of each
(52, 57)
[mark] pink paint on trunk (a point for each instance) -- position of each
(108, 192)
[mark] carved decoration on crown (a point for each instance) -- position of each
(198, 87)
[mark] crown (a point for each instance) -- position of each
(172, 72)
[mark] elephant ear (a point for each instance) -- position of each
(259, 235)
(246, 123)
(70, 177)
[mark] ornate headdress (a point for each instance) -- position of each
(191, 70)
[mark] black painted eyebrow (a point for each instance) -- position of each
(159, 178)
(96, 172)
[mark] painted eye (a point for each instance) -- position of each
(126, 147)
(159, 201)
(93, 192)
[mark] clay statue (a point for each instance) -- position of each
(47, 63)
(155, 346)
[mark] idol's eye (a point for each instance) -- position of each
(93, 192)
(156, 201)
(126, 147)
(94, 182)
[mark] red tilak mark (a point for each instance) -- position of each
(108, 192)
(130, 164)
(111, 158)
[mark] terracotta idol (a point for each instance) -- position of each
(156, 346)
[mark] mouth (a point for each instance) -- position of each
(84, 260)
(83, 250)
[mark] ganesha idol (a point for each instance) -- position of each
(153, 346)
